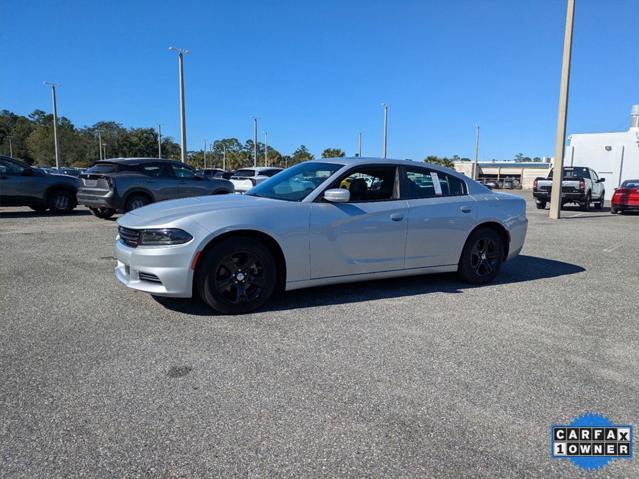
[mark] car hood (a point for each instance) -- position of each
(164, 212)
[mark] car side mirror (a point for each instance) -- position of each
(3, 171)
(28, 172)
(337, 195)
(601, 180)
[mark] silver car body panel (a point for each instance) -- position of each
(323, 243)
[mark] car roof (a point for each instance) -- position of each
(355, 161)
(135, 161)
(259, 168)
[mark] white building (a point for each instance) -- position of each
(614, 156)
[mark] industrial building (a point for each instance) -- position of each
(614, 156)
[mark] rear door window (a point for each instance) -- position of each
(425, 183)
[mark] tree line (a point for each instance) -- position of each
(30, 138)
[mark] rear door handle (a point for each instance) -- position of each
(465, 209)
(397, 216)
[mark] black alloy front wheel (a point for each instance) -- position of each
(237, 276)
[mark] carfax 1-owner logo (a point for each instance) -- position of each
(591, 441)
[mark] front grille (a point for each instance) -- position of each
(129, 237)
(149, 277)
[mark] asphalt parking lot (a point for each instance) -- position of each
(423, 376)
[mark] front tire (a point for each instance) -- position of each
(541, 204)
(237, 276)
(103, 213)
(61, 201)
(482, 257)
(137, 201)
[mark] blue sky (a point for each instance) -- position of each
(315, 73)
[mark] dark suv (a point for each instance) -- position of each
(23, 185)
(124, 184)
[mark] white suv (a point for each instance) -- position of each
(247, 178)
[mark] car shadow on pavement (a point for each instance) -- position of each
(46, 214)
(521, 269)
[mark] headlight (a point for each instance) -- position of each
(164, 237)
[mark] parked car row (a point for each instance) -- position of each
(109, 186)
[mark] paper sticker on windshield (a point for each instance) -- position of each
(436, 185)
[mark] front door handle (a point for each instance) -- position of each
(465, 209)
(397, 216)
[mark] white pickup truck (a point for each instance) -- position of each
(580, 185)
(246, 178)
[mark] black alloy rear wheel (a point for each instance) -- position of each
(482, 256)
(236, 276)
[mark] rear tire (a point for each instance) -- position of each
(585, 206)
(103, 213)
(61, 201)
(237, 276)
(541, 204)
(614, 211)
(137, 201)
(482, 257)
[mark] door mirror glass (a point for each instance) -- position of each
(28, 172)
(3, 170)
(337, 195)
(601, 180)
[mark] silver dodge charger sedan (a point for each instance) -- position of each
(319, 222)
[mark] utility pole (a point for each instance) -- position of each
(224, 157)
(10, 146)
(159, 141)
(100, 144)
(104, 155)
(360, 144)
(254, 142)
(385, 128)
(55, 123)
(475, 165)
(204, 153)
(266, 148)
(181, 54)
(560, 139)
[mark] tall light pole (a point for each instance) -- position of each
(55, 123)
(104, 155)
(204, 153)
(181, 54)
(10, 146)
(266, 148)
(159, 141)
(254, 142)
(475, 165)
(560, 139)
(100, 144)
(385, 129)
(360, 144)
(224, 157)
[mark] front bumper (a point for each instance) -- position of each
(158, 270)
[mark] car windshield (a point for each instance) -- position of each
(295, 183)
(630, 184)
